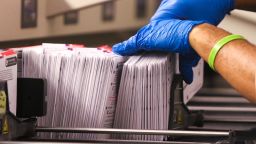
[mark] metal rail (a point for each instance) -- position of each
(136, 132)
(103, 141)
(222, 109)
(218, 91)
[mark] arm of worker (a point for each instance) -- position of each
(166, 36)
(201, 10)
(236, 61)
(249, 5)
(166, 32)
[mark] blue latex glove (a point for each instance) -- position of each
(211, 11)
(164, 35)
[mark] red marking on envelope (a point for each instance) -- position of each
(7, 53)
(105, 48)
(72, 46)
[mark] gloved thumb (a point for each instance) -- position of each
(126, 48)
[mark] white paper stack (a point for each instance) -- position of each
(143, 99)
(81, 86)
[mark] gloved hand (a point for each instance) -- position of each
(172, 36)
(164, 35)
(211, 11)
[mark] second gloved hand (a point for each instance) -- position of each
(164, 35)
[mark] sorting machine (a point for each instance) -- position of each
(213, 116)
(186, 123)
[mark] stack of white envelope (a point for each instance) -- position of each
(81, 86)
(144, 93)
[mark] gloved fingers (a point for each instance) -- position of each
(160, 35)
(156, 36)
(186, 67)
(149, 38)
(126, 48)
(193, 58)
(186, 72)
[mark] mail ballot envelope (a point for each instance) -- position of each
(8, 74)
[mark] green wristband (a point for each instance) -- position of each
(218, 46)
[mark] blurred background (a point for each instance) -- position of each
(90, 22)
(99, 22)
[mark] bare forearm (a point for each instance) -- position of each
(236, 61)
(249, 5)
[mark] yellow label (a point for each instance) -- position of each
(5, 126)
(2, 102)
(180, 117)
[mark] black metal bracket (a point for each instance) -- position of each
(180, 117)
(31, 93)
